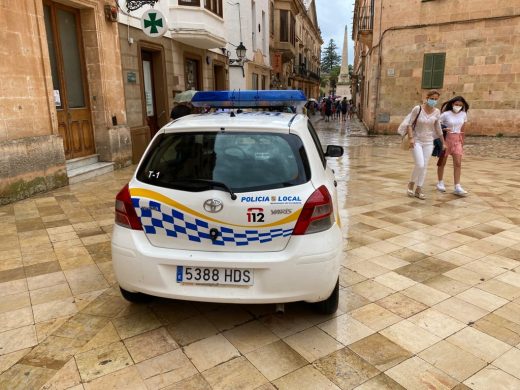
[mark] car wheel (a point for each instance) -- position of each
(134, 297)
(329, 305)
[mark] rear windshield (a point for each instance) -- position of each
(242, 161)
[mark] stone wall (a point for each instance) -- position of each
(482, 62)
(31, 165)
(32, 157)
(31, 153)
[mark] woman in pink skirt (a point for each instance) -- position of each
(453, 119)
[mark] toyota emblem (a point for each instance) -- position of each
(213, 205)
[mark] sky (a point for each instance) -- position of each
(333, 15)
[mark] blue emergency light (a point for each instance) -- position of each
(248, 99)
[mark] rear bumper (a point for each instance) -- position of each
(307, 269)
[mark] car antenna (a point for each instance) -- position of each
(232, 114)
(239, 110)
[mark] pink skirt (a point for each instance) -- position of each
(454, 143)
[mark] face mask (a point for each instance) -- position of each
(457, 108)
(431, 102)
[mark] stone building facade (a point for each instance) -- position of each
(247, 22)
(295, 46)
(61, 94)
(403, 49)
(155, 69)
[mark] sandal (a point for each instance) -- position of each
(409, 191)
(420, 195)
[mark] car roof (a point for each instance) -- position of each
(247, 120)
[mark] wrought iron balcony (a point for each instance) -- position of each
(363, 24)
(314, 76)
(366, 19)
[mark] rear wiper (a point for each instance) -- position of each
(210, 183)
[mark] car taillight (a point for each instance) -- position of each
(125, 212)
(317, 214)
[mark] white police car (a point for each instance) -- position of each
(234, 206)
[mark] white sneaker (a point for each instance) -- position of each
(459, 191)
(440, 186)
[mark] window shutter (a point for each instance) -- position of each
(438, 70)
(427, 71)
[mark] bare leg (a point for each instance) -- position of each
(440, 168)
(457, 164)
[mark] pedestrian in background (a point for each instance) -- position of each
(344, 108)
(328, 109)
(427, 127)
(351, 110)
(180, 109)
(453, 119)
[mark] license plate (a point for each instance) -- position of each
(203, 275)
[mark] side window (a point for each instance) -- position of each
(433, 70)
(317, 142)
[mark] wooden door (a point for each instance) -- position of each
(220, 77)
(63, 28)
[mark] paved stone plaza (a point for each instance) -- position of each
(430, 291)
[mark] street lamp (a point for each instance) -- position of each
(241, 51)
(241, 55)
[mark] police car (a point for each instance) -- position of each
(234, 206)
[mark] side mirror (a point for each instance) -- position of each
(334, 151)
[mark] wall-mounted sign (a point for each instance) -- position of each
(390, 72)
(153, 23)
(131, 77)
(383, 117)
(57, 98)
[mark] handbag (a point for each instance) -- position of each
(405, 142)
(403, 130)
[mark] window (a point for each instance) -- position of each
(271, 23)
(284, 26)
(293, 30)
(244, 161)
(214, 6)
(253, 24)
(264, 39)
(433, 70)
(192, 74)
(195, 3)
(254, 83)
(264, 82)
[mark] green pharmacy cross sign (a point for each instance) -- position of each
(153, 23)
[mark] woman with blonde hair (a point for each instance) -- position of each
(423, 127)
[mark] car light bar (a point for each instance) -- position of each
(248, 98)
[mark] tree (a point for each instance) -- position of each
(330, 57)
(333, 76)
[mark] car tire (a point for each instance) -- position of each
(329, 305)
(134, 297)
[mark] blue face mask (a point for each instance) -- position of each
(431, 102)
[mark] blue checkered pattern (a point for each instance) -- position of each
(158, 218)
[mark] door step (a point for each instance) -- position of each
(87, 167)
(79, 162)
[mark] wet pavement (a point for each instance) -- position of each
(430, 290)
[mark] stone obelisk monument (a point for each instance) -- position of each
(343, 85)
